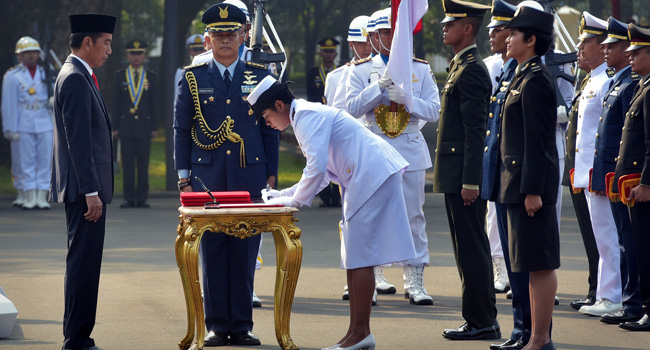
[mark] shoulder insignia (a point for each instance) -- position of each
(535, 68)
(610, 72)
(363, 60)
(195, 65)
(256, 65)
(420, 60)
(635, 76)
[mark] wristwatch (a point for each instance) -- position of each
(183, 184)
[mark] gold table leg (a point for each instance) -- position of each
(187, 255)
(288, 251)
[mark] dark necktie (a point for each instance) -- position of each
(226, 79)
(136, 78)
(95, 79)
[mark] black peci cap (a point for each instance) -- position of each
(530, 18)
(92, 23)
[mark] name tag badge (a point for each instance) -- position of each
(206, 90)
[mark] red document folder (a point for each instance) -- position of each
(198, 199)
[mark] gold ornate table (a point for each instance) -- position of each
(242, 223)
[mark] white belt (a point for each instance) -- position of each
(411, 128)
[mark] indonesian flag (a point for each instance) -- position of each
(406, 20)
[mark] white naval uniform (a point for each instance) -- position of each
(29, 115)
(9, 125)
(602, 220)
(338, 148)
(363, 96)
(334, 81)
(493, 64)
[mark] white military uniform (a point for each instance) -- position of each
(494, 64)
(602, 220)
(333, 83)
(374, 224)
(26, 112)
(9, 126)
(363, 96)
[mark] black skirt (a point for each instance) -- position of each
(534, 242)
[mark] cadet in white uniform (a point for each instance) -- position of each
(26, 112)
(8, 120)
(375, 228)
(609, 290)
(195, 46)
(367, 87)
(335, 81)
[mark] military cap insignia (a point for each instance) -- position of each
(197, 40)
(363, 60)
(329, 42)
(364, 32)
(136, 44)
(420, 60)
(223, 12)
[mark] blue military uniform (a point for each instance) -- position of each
(218, 139)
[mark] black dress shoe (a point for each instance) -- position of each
(216, 339)
(518, 345)
(143, 205)
(500, 346)
(642, 325)
(588, 301)
(467, 332)
(127, 204)
(244, 338)
(618, 318)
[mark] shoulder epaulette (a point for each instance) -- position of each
(420, 60)
(535, 67)
(257, 65)
(195, 65)
(635, 76)
(363, 60)
(610, 72)
(470, 59)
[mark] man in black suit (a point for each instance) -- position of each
(457, 169)
(82, 171)
(134, 122)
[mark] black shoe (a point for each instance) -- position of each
(500, 346)
(143, 205)
(216, 339)
(618, 318)
(509, 294)
(548, 346)
(642, 325)
(588, 301)
(518, 345)
(244, 338)
(127, 204)
(557, 301)
(467, 332)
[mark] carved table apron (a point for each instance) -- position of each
(242, 223)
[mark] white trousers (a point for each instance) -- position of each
(493, 231)
(414, 197)
(16, 173)
(609, 268)
(35, 158)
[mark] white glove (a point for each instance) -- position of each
(286, 201)
(562, 116)
(396, 94)
(12, 136)
(385, 81)
(268, 194)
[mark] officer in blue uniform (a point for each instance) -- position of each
(608, 138)
(218, 139)
(502, 13)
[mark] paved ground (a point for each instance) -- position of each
(141, 300)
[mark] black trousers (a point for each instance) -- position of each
(82, 268)
(640, 215)
(473, 259)
(586, 230)
(135, 154)
(330, 196)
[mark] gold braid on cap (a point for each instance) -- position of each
(221, 134)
